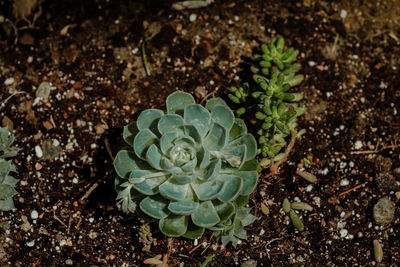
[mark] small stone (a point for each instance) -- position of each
(343, 14)
(249, 263)
(358, 144)
(343, 233)
(384, 211)
(69, 262)
(44, 90)
(39, 152)
(34, 214)
(192, 17)
(344, 182)
(92, 235)
(9, 81)
(50, 151)
(30, 244)
(200, 92)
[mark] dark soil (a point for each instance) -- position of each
(350, 53)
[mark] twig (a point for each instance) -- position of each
(69, 223)
(166, 256)
(3, 103)
(94, 186)
(209, 244)
(108, 148)
(376, 150)
(350, 190)
(58, 219)
(196, 247)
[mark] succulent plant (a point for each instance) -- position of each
(7, 182)
(274, 54)
(233, 230)
(272, 109)
(191, 169)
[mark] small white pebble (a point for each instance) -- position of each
(91, 219)
(196, 242)
(75, 180)
(344, 182)
(34, 214)
(311, 63)
(9, 81)
(262, 231)
(358, 144)
(309, 188)
(63, 242)
(362, 99)
(135, 50)
(30, 244)
(343, 14)
(192, 17)
(93, 146)
(30, 59)
(39, 152)
(343, 233)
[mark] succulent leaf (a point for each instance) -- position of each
(155, 206)
(223, 116)
(170, 123)
(184, 207)
(231, 187)
(174, 225)
(143, 140)
(129, 133)
(177, 101)
(193, 231)
(206, 215)
(170, 189)
(199, 117)
(148, 119)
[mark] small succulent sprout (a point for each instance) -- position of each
(7, 182)
(378, 251)
(301, 206)
(239, 96)
(286, 205)
(274, 54)
(307, 176)
(297, 222)
(189, 169)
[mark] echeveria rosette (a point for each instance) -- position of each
(191, 168)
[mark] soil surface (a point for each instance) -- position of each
(72, 75)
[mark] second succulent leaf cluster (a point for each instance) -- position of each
(191, 169)
(7, 182)
(267, 102)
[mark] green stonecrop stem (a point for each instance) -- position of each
(267, 103)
